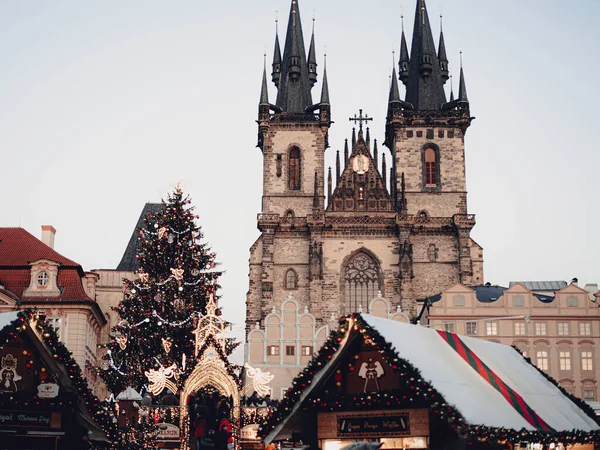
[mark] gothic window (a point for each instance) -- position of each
(289, 214)
(431, 167)
(432, 253)
(361, 282)
(294, 169)
(291, 280)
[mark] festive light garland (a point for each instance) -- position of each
(423, 395)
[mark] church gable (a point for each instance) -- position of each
(360, 186)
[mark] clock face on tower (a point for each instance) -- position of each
(360, 164)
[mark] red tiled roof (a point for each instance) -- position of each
(18, 247)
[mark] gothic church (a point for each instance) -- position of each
(335, 241)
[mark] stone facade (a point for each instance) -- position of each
(407, 236)
(560, 333)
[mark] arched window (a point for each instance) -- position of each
(291, 280)
(294, 169)
(289, 214)
(431, 167)
(360, 282)
(432, 253)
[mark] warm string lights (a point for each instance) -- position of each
(415, 393)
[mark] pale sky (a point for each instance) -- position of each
(105, 105)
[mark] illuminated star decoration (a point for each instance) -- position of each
(159, 379)
(260, 381)
(143, 277)
(166, 345)
(177, 273)
(122, 341)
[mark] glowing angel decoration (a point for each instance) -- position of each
(160, 379)
(122, 341)
(177, 273)
(371, 372)
(260, 381)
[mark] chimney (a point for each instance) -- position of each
(48, 233)
(574, 281)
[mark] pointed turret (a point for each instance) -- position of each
(442, 58)
(353, 138)
(312, 58)
(368, 139)
(394, 98)
(276, 74)
(384, 170)
(424, 87)
(325, 87)
(451, 90)
(329, 186)
(337, 167)
(294, 86)
(264, 91)
(404, 63)
(375, 151)
(346, 153)
(462, 88)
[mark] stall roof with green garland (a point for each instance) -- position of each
(485, 390)
(55, 356)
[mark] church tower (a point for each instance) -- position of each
(293, 136)
(426, 136)
(391, 233)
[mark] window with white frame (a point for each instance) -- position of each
(273, 350)
(491, 328)
(541, 329)
(56, 324)
(564, 358)
(290, 350)
(307, 350)
(572, 302)
(568, 388)
(43, 279)
(518, 301)
(449, 327)
(542, 359)
(589, 395)
(520, 329)
(563, 329)
(471, 328)
(459, 300)
(587, 360)
(585, 329)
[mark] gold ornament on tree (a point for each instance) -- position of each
(122, 341)
(143, 277)
(177, 273)
(161, 232)
(166, 345)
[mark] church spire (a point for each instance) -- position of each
(276, 74)
(394, 98)
(424, 87)
(403, 64)
(264, 92)
(325, 87)
(337, 167)
(462, 86)
(312, 58)
(294, 86)
(442, 58)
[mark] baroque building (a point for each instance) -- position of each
(335, 240)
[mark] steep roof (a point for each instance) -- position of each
(129, 260)
(505, 397)
(18, 247)
(294, 94)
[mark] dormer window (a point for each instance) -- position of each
(43, 279)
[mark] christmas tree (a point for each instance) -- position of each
(154, 338)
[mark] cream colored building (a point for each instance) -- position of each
(34, 275)
(292, 335)
(559, 332)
